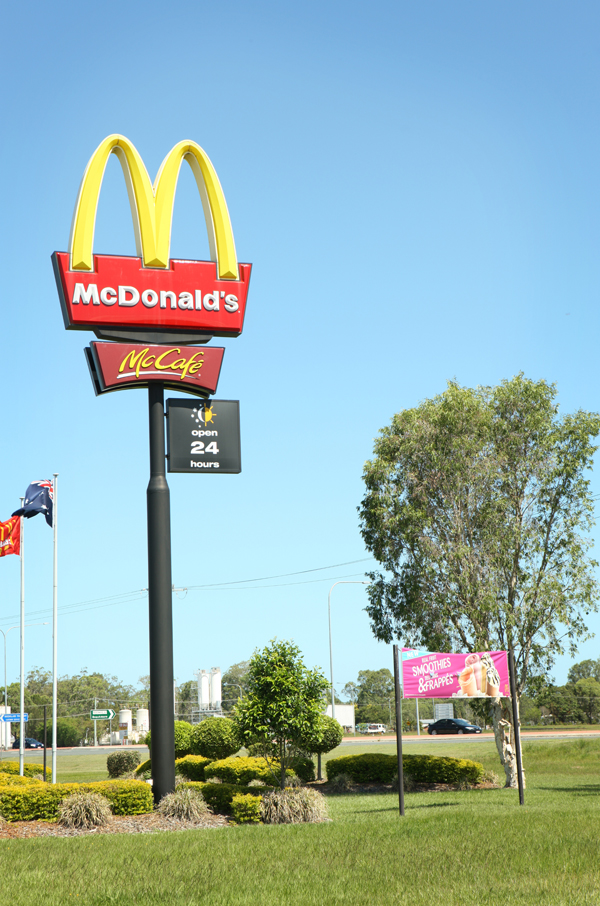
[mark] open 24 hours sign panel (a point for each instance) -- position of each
(203, 436)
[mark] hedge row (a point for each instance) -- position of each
(34, 799)
(422, 768)
(29, 770)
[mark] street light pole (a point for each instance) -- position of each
(341, 582)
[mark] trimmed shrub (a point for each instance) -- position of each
(41, 800)
(119, 763)
(192, 767)
(372, 767)
(243, 769)
(304, 768)
(84, 809)
(12, 767)
(215, 738)
(185, 804)
(437, 769)
(218, 796)
(293, 807)
(245, 808)
(183, 738)
(144, 768)
(422, 768)
(15, 780)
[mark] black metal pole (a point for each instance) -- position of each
(399, 730)
(160, 604)
(45, 739)
(517, 729)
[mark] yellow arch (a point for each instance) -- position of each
(152, 206)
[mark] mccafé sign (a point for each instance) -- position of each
(119, 366)
(152, 292)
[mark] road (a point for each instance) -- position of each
(347, 741)
(475, 737)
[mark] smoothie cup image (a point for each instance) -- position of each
(466, 681)
(473, 660)
(493, 690)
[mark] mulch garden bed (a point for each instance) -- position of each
(151, 823)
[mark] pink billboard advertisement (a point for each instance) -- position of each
(483, 674)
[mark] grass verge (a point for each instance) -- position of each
(451, 847)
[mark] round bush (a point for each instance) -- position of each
(183, 738)
(84, 809)
(120, 763)
(185, 804)
(215, 738)
(331, 734)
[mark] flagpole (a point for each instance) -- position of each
(22, 676)
(54, 624)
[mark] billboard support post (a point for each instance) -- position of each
(160, 603)
(515, 710)
(399, 730)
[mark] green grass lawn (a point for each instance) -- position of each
(451, 848)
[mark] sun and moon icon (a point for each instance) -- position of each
(203, 415)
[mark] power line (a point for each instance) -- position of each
(130, 596)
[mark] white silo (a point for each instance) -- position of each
(215, 688)
(142, 721)
(125, 725)
(204, 691)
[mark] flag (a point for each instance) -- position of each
(10, 536)
(38, 499)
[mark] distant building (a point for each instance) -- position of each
(344, 714)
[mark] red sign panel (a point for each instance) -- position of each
(191, 369)
(120, 293)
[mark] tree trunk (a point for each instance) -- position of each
(505, 741)
(319, 775)
(282, 758)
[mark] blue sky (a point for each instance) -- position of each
(417, 188)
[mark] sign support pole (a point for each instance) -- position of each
(55, 625)
(399, 730)
(22, 665)
(517, 729)
(160, 603)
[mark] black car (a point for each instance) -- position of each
(452, 725)
(29, 743)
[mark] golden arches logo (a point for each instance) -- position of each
(152, 205)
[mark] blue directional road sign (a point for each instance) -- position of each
(14, 718)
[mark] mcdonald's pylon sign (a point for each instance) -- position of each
(152, 296)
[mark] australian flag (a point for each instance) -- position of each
(38, 499)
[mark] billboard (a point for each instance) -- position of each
(482, 674)
(117, 295)
(119, 366)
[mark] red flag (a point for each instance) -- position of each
(10, 536)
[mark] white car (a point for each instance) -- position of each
(376, 728)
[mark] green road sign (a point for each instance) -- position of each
(107, 714)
